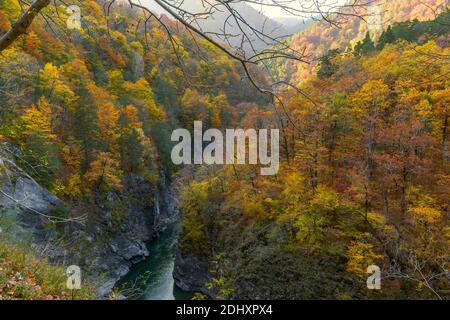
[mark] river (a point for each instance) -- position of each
(153, 277)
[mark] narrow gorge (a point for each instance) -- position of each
(99, 247)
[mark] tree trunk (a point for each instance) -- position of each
(20, 26)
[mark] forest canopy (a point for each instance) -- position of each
(87, 113)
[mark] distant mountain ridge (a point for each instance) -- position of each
(275, 28)
(294, 25)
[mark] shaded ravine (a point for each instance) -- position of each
(153, 277)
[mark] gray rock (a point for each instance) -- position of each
(190, 272)
(98, 247)
(106, 289)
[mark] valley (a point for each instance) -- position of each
(355, 174)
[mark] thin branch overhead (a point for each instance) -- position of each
(229, 25)
(226, 20)
(238, 28)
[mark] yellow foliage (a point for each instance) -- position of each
(53, 86)
(254, 209)
(425, 214)
(104, 172)
(12, 9)
(371, 98)
(38, 120)
(107, 121)
(74, 187)
(361, 255)
(24, 276)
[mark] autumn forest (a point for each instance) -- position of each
(86, 176)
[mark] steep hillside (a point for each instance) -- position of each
(294, 25)
(321, 37)
(23, 276)
(85, 123)
(86, 117)
(220, 23)
(364, 181)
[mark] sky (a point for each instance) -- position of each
(279, 13)
(268, 11)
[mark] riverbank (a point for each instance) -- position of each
(152, 279)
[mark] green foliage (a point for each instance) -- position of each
(161, 134)
(365, 46)
(118, 94)
(86, 132)
(24, 276)
(326, 67)
(41, 159)
(364, 160)
(218, 285)
(387, 36)
(11, 8)
(60, 212)
(131, 151)
(363, 166)
(194, 204)
(414, 30)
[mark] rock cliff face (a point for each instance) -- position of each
(114, 229)
(149, 210)
(191, 272)
(23, 199)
